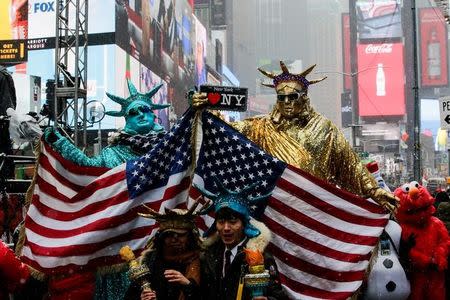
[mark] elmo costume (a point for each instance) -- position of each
(427, 238)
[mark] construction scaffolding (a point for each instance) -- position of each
(71, 69)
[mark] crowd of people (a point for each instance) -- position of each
(183, 265)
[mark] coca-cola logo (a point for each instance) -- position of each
(377, 49)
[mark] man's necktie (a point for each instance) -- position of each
(227, 261)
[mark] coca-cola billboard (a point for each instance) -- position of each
(381, 83)
(433, 48)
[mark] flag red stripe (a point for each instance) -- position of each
(352, 198)
(307, 221)
(311, 245)
(87, 249)
(312, 291)
(328, 208)
(313, 269)
(72, 167)
(45, 164)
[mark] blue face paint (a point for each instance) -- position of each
(140, 119)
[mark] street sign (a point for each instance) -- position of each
(444, 108)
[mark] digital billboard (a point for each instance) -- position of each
(13, 19)
(42, 17)
(346, 51)
(160, 35)
(379, 19)
(200, 52)
(381, 83)
(13, 31)
(433, 48)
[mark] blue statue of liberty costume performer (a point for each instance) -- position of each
(138, 137)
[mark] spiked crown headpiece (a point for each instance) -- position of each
(173, 219)
(135, 97)
(238, 201)
(286, 76)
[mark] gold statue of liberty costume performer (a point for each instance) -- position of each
(138, 137)
(295, 133)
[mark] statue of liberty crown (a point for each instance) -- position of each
(286, 76)
(135, 96)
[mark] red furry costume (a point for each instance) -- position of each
(428, 238)
(13, 273)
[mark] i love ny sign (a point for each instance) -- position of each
(226, 97)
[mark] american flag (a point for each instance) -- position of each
(322, 236)
(80, 217)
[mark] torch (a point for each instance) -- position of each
(258, 277)
(138, 272)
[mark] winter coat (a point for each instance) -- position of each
(164, 290)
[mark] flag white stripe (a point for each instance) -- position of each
(315, 281)
(295, 295)
(321, 216)
(315, 258)
(57, 261)
(315, 236)
(327, 196)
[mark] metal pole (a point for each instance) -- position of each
(417, 168)
(354, 69)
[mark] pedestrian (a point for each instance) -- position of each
(172, 258)
(233, 231)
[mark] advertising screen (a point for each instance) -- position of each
(42, 17)
(13, 19)
(379, 19)
(160, 35)
(381, 83)
(200, 52)
(346, 51)
(433, 48)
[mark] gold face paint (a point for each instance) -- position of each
(290, 99)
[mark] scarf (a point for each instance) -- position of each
(140, 144)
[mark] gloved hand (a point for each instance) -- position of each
(51, 135)
(198, 100)
(385, 199)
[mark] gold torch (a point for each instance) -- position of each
(138, 272)
(258, 277)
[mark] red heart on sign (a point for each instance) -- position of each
(213, 98)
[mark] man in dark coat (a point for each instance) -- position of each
(224, 263)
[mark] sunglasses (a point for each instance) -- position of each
(290, 97)
(135, 110)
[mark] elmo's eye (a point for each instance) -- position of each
(414, 184)
(405, 188)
